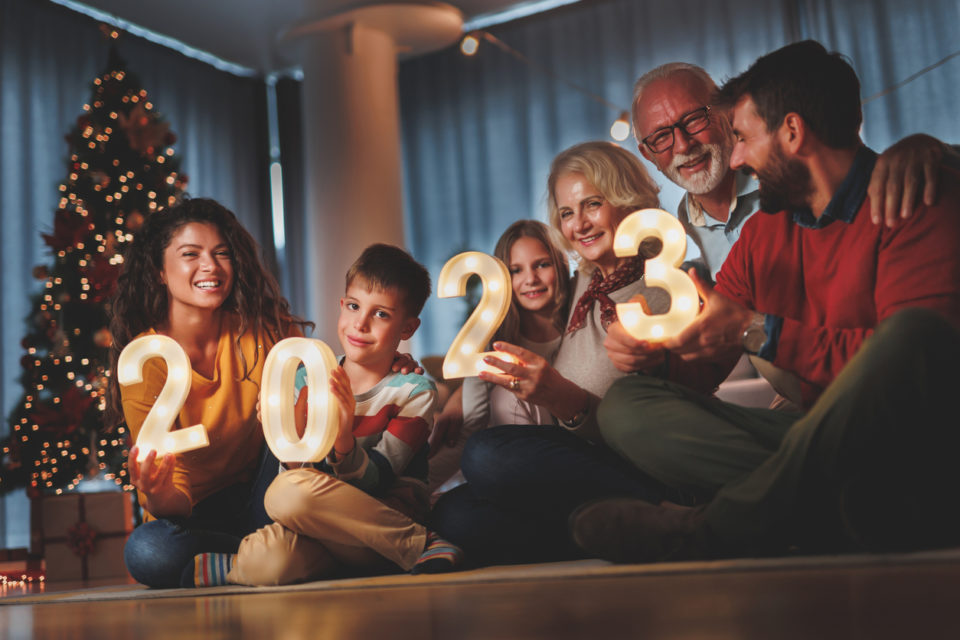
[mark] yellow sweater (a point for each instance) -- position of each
(225, 405)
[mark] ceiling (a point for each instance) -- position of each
(248, 32)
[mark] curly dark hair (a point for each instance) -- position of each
(141, 301)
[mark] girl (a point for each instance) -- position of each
(540, 278)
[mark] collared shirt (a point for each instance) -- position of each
(714, 238)
(849, 196)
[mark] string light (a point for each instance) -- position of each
(620, 130)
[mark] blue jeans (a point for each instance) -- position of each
(522, 484)
(157, 552)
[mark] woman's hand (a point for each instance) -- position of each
(530, 377)
(527, 375)
(155, 482)
(447, 423)
(340, 386)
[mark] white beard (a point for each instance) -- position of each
(703, 181)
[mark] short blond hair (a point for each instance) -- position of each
(618, 174)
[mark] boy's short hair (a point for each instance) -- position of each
(805, 78)
(384, 266)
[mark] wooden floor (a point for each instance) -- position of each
(902, 601)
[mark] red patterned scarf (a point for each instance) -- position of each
(628, 272)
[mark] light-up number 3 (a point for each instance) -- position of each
(276, 400)
(155, 433)
(464, 357)
(660, 271)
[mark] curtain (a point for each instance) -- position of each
(887, 41)
(479, 132)
(49, 57)
(290, 133)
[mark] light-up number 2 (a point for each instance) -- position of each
(155, 433)
(276, 400)
(660, 271)
(464, 357)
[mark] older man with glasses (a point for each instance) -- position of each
(691, 145)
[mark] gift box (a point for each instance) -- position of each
(82, 534)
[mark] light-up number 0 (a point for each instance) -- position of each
(660, 271)
(155, 434)
(464, 357)
(276, 400)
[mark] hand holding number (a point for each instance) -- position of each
(716, 332)
(529, 376)
(155, 481)
(631, 354)
(343, 392)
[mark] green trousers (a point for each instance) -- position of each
(873, 464)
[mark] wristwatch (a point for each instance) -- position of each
(755, 335)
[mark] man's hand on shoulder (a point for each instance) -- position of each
(904, 170)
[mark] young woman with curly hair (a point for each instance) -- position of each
(193, 273)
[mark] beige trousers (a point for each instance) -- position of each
(320, 524)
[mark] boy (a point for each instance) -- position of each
(361, 507)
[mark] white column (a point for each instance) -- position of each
(352, 136)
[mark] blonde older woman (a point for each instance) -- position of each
(523, 481)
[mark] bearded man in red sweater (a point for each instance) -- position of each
(860, 320)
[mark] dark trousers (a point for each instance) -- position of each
(870, 465)
(522, 484)
(157, 552)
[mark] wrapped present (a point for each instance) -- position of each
(83, 534)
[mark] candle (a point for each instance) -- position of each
(155, 433)
(464, 357)
(277, 400)
(660, 271)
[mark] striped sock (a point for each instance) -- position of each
(439, 556)
(211, 569)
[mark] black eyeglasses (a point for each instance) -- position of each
(690, 123)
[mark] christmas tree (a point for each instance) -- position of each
(121, 168)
